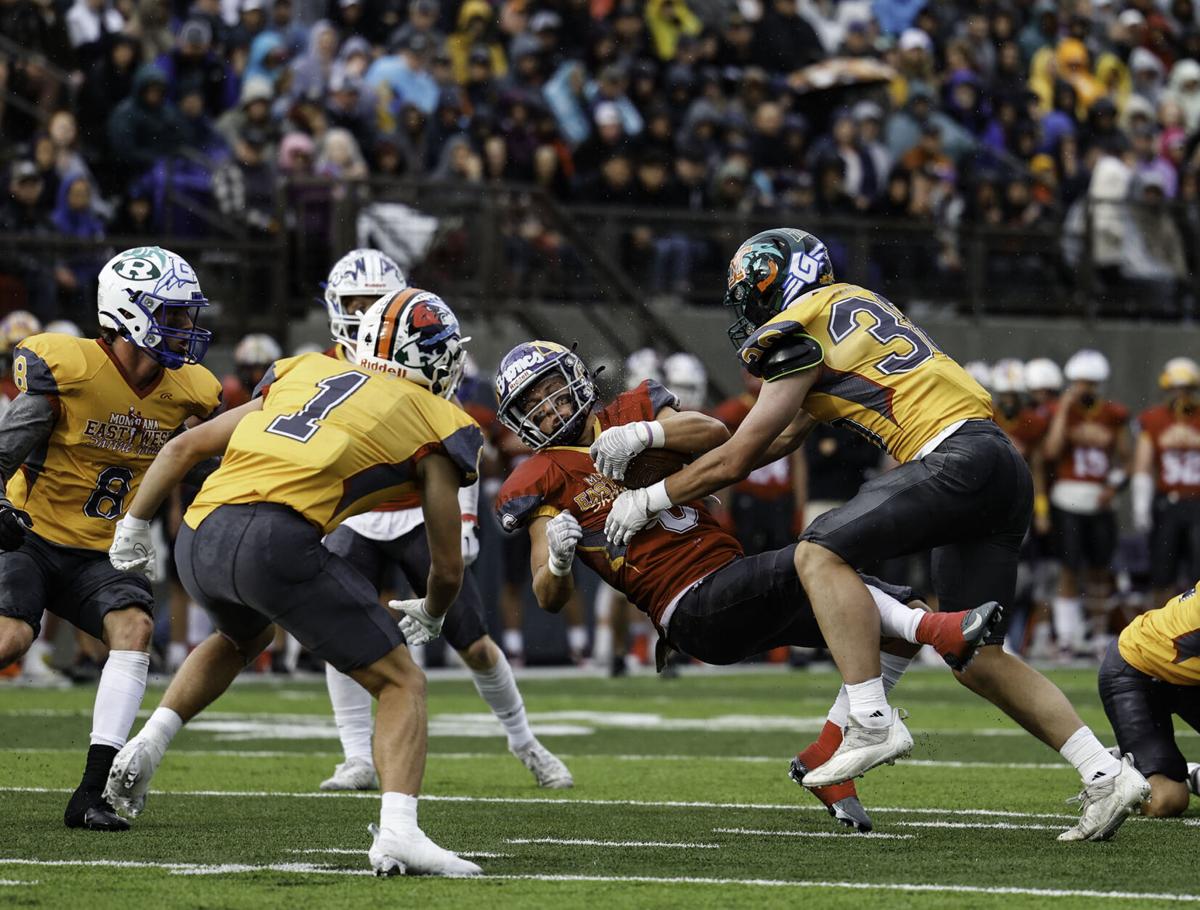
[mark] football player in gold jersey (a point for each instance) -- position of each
(844, 355)
(1149, 674)
(90, 418)
(322, 440)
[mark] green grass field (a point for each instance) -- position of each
(681, 799)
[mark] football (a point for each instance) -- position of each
(653, 465)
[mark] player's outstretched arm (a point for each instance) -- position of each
(440, 480)
(551, 589)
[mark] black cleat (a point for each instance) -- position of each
(797, 771)
(89, 809)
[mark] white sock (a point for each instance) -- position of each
(398, 813)
(162, 727)
(893, 665)
(1068, 621)
(868, 703)
(352, 714)
(39, 650)
(840, 709)
(499, 689)
(895, 619)
(1090, 759)
(514, 643)
(602, 645)
(577, 638)
(118, 697)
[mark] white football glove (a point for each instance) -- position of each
(132, 548)
(418, 626)
(630, 512)
(563, 532)
(617, 446)
(470, 540)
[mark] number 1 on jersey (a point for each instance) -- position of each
(302, 425)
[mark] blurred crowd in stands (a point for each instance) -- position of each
(1006, 114)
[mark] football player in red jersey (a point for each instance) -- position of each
(1166, 478)
(1088, 443)
(685, 572)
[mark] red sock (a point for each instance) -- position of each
(817, 754)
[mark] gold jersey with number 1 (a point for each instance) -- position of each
(1165, 643)
(880, 374)
(334, 440)
(106, 433)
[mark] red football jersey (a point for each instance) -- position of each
(1026, 429)
(681, 547)
(770, 482)
(1176, 438)
(1091, 440)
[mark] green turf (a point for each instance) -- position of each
(635, 746)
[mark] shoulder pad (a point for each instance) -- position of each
(522, 494)
(779, 349)
(44, 364)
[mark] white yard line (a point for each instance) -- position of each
(566, 841)
(311, 869)
(12, 882)
(522, 800)
(350, 851)
(871, 834)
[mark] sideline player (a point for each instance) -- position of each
(685, 572)
(1089, 445)
(1166, 478)
(1149, 674)
(846, 355)
(91, 416)
(392, 536)
(322, 441)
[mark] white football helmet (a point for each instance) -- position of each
(1042, 374)
(16, 327)
(151, 297)
(980, 372)
(360, 273)
(641, 365)
(1179, 373)
(686, 377)
(1008, 376)
(256, 350)
(64, 327)
(413, 334)
(1087, 365)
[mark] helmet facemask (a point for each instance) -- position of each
(520, 414)
(142, 325)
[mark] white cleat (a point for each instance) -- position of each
(1108, 802)
(862, 749)
(547, 770)
(414, 854)
(1193, 770)
(130, 776)
(353, 774)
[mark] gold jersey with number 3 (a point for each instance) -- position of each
(333, 440)
(1165, 643)
(106, 433)
(880, 374)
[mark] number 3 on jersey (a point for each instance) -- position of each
(302, 425)
(887, 324)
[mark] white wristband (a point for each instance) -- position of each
(134, 524)
(657, 499)
(658, 436)
(556, 571)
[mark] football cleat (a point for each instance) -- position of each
(547, 770)
(353, 774)
(89, 809)
(862, 749)
(1107, 803)
(957, 636)
(1193, 778)
(847, 810)
(130, 775)
(413, 854)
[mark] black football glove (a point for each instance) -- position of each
(13, 525)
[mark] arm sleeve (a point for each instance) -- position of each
(26, 424)
(660, 397)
